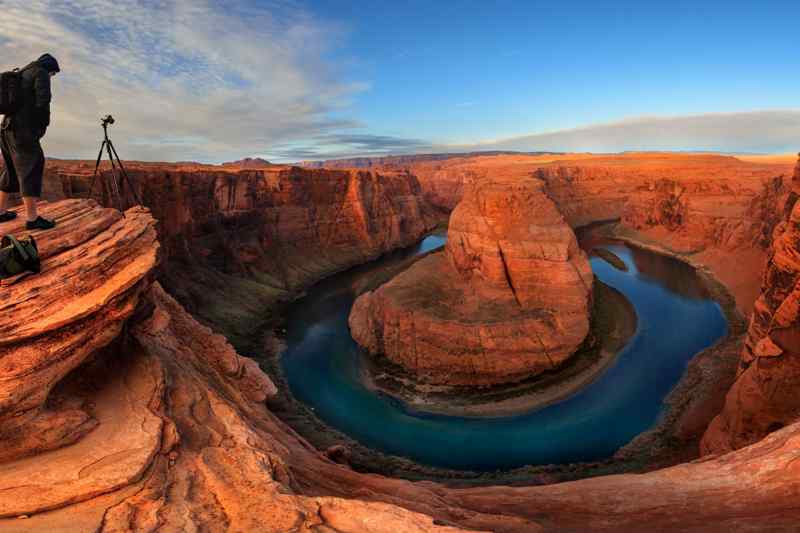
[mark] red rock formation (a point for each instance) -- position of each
(254, 238)
(764, 397)
(162, 425)
(184, 441)
(94, 269)
(508, 300)
(709, 207)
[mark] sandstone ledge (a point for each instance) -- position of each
(95, 265)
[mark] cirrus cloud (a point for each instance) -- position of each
(769, 131)
(186, 79)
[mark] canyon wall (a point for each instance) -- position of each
(704, 207)
(239, 242)
(146, 420)
(764, 397)
(508, 299)
(183, 440)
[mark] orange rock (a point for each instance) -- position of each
(720, 209)
(508, 299)
(170, 390)
(95, 265)
(764, 397)
(257, 237)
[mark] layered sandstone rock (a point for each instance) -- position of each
(764, 397)
(94, 269)
(183, 441)
(239, 242)
(508, 299)
(718, 211)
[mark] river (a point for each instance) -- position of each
(676, 320)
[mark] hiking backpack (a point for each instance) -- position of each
(18, 256)
(11, 97)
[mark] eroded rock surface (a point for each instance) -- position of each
(94, 269)
(764, 397)
(183, 441)
(238, 242)
(508, 299)
(717, 210)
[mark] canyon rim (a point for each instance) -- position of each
(399, 267)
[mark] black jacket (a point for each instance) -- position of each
(33, 119)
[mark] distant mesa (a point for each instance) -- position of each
(400, 160)
(249, 163)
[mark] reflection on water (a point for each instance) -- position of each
(677, 276)
(322, 367)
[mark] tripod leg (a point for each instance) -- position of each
(115, 181)
(125, 175)
(96, 167)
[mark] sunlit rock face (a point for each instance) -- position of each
(764, 397)
(240, 242)
(508, 299)
(511, 242)
(181, 438)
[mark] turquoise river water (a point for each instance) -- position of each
(676, 320)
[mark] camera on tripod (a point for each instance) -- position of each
(119, 178)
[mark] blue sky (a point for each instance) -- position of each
(293, 79)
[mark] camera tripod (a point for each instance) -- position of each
(117, 168)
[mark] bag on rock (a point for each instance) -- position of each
(18, 256)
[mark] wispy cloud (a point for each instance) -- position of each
(186, 79)
(773, 131)
(753, 131)
(217, 80)
(342, 145)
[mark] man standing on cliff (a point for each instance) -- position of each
(20, 142)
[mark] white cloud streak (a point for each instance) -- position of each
(771, 131)
(213, 81)
(186, 79)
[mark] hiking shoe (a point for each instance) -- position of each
(7, 216)
(40, 223)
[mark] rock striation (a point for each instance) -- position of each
(167, 427)
(508, 299)
(94, 269)
(183, 440)
(237, 243)
(764, 396)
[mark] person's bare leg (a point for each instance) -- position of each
(3, 202)
(30, 207)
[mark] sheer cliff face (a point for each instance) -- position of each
(764, 397)
(710, 206)
(182, 438)
(510, 239)
(238, 242)
(508, 299)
